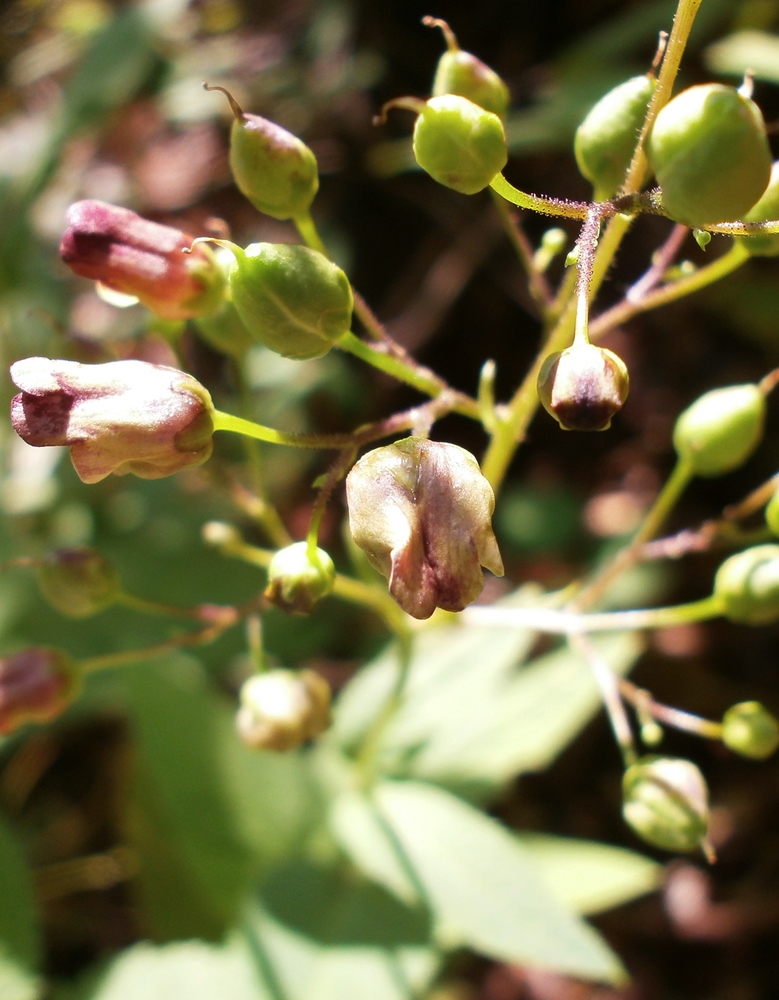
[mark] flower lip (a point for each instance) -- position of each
(122, 416)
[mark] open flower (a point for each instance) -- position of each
(132, 255)
(124, 416)
(421, 512)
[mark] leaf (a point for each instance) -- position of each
(473, 715)
(19, 930)
(16, 983)
(192, 970)
(756, 52)
(590, 877)
(483, 887)
(323, 934)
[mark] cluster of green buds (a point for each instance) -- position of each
(282, 709)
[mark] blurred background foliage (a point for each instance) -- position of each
(138, 817)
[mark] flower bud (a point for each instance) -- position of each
(606, 139)
(766, 210)
(583, 387)
(298, 577)
(124, 416)
(36, 685)
(665, 800)
(459, 144)
(291, 299)
(421, 512)
(721, 429)
(271, 167)
(462, 73)
(751, 730)
(282, 709)
(747, 585)
(78, 582)
(137, 257)
(710, 155)
(225, 332)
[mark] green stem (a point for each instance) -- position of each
(664, 503)
(704, 276)
(155, 607)
(405, 370)
(310, 234)
(239, 425)
(110, 661)
(669, 715)
(608, 683)
(537, 203)
(537, 283)
(560, 622)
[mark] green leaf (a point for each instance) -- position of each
(473, 715)
(756, 52)
(323, 934)
(483, 887)
(590, 877)
(19, 930)
(192, 970)
(16, 983)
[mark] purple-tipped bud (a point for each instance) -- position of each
(421, 512)
(36, 685)
(583, 387)
(124, 416)
(132, 255)
(283, 709)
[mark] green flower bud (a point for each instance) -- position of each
(224, 331)
(298, 578)
(709, 151)
(291, 299)
(751, 730)
(421, 510)
(772, 513)
(605, 140)
(78, 582)
(767, 209)
(665, 800)
(462, 73)
(747, 585)
(459, 144)
(583, 387)
(721, 429)
(282, 709)
(271, 167)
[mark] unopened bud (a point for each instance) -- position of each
(665, 800)
(134, 256)
(721, 429)
(459, 144)
(36, 685)
(291, 299)
(271, 167)
(298, 577)
(751, 730)
(747, 585)
(463, 73)
(123, 416)
(421, 512)
(583, 387)
(282, 709)
(767, 209)
(78, 582)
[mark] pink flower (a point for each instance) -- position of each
(36, 685)
(124, 416)
(132, 255)
(421, 512)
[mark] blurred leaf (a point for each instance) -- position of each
(483, 887)
(473, 715)
(19, 930)
(756, 52)
(16, 983)
(189, 971)
(322, 934)
(590, 877)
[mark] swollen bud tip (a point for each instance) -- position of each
(583, 387)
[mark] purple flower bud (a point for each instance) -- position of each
(36, 685)
(421, 511)
(124, 416)
(137, 257)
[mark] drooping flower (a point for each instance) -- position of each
(123, 416)
(135, 256)
(36, 685)
(421, 512)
